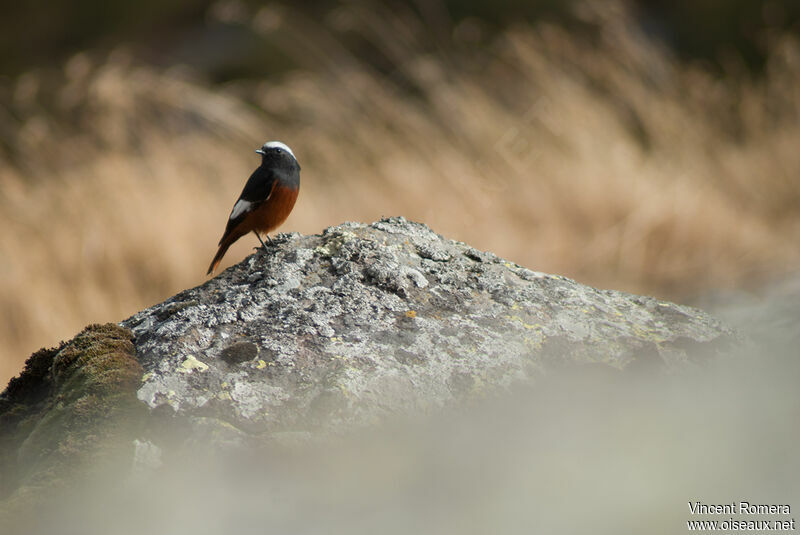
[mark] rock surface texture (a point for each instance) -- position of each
(328, 332)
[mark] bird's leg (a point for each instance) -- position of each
(263, 245)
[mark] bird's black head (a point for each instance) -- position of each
(278, 156)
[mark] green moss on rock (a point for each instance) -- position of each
(68, 416)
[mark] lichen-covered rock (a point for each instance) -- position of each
(316, 335)
(326, 332)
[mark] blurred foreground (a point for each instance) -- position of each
(587, 450)
(602, 159)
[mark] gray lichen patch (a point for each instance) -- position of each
(336, 330)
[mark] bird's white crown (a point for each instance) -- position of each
(278, 145)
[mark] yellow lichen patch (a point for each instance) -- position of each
(191, 363)
(535, 343)
(648, 334)
(331, 247)
(146, 377)
(519, 319)
(261, 365)
(411, 313)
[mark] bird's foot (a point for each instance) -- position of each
(263, 246)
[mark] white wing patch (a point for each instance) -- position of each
(278, 145)
(240, 207)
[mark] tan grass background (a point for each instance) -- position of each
(605, 160)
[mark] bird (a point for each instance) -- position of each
(266, 200)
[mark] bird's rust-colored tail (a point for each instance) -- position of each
(217, 258)
(226, 241)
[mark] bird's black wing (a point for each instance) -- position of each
(259, 186)
(257, 190)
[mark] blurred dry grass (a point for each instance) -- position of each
(602, 159)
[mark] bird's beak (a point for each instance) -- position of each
(260, 151)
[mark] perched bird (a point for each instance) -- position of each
(266, 199)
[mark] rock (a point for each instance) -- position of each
(316, 336)
(328, 332)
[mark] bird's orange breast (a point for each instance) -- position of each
(274, 210)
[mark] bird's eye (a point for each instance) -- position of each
(279, 150)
